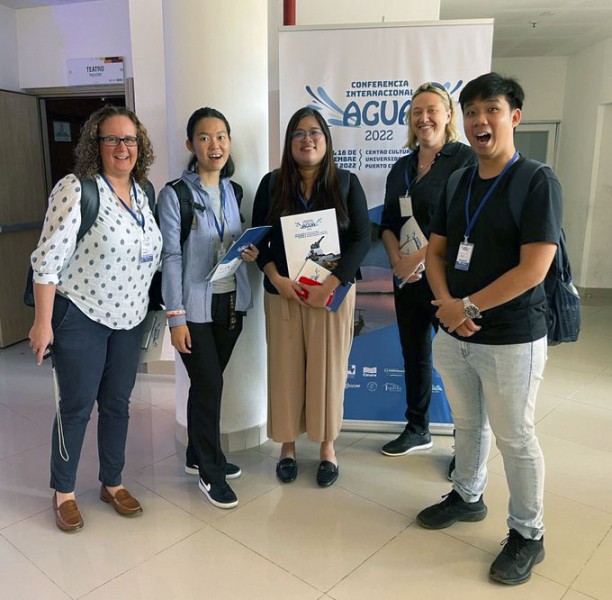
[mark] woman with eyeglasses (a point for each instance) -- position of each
(91, 298)
(308, 347)
(414, 187)
(205, 317)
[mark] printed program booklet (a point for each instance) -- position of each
(311, 235)
(411, 240)
(229, 264)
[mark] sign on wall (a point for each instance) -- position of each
(362, 79)
(95, 71)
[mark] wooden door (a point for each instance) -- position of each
(23, 202)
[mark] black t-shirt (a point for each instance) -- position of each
(497, 243)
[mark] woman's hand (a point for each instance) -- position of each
(317, 295)
(409, 267)
(250, 254)
(41, 337)
(181, 338)
(287, 288)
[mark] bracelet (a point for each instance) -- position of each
(175, 313)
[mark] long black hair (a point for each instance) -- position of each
(326, 189)
(209, 113)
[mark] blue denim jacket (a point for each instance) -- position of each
(184, 284)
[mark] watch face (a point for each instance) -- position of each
(471, 311)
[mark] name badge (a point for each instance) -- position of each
(464, 256)
(146, 250)
(405, 203)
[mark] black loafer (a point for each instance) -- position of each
(287, 470)
(327, 473)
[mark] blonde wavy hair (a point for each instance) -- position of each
(87, 152)
(452, 133)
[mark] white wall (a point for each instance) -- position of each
(148, 65)
(543, 79)
(9, 65)
(50, 35)
(588, 202)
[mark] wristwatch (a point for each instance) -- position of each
(470, 310)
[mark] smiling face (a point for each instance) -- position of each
(211, 144)
(489, 126)
(428, 119)
(118, 161)
(308, 144)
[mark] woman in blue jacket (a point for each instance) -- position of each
(205, 318)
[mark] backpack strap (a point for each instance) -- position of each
(90, 205)
(149, 190)
(238, 192)
(185, 200)
(518, 186)
(453, 183)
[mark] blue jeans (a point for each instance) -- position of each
(92, 362)
(494, 388)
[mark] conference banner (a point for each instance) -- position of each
(362, 79)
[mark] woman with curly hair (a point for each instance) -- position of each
(91, 297)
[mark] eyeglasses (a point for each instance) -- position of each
(112, 140)
(300, 134)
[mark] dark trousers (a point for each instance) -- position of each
(211, 348)
(92, 362)
(415, 319)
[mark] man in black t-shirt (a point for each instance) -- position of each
(485, 270)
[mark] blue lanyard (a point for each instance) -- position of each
(470, 222)
(132, 213)
(220, 228)
(308, 206)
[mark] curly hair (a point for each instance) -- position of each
(87, 151)
(452, 133)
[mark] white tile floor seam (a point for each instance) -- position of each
(356, 540)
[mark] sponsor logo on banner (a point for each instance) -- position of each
(351, 371)
(352, 386)
(370, 371)
(394, 372)
(392, 387)
(437, 389)
(372, 386)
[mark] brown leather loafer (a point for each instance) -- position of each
(67, 515)
(123, 502)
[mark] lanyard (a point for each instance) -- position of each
(133, 214)
(417, 179)
(220, 228)
(308, 206)
(470, 222)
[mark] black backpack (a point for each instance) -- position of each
(90, 205)
(563, 313)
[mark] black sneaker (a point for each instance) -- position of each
(407, 442)
(452, 509)
(220, 495)
(514, 563)
(231, 471)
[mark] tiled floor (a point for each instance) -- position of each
(356, 540)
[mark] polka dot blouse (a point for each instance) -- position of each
(102, 274)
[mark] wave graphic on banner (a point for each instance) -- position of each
(341, 117)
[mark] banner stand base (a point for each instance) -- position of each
(392, 427)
